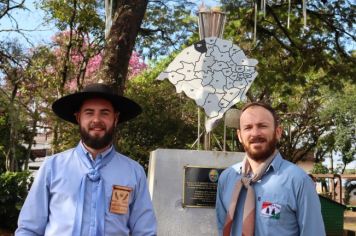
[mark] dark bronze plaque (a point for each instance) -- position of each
(200, 184)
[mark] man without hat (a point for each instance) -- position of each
(90, 190)
(265, 194)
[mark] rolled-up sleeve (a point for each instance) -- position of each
(34, 213)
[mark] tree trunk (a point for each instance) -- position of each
(32, 137)
(11, 162)
(126, 21)
(66, 58)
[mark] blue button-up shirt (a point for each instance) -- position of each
(286, 201)
(50, 206)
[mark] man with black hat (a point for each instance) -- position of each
(91, 189)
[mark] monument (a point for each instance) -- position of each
(182, 183)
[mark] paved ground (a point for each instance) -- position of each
(350, 220)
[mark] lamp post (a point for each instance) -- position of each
(211, 24)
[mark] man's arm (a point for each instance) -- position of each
(309, 215)
(34, 213)
(142, 219)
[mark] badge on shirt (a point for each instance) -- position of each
(120, 199)
(271, 210)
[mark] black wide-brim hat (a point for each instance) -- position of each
(67, 106)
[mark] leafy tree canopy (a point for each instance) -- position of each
(300, 68)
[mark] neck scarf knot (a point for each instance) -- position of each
(94, 174)
(246, 181)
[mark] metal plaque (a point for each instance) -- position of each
(200, 185)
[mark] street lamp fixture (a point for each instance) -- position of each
(211, 22)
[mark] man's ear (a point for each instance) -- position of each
(117, 118)
(279, 131)
(77, 117)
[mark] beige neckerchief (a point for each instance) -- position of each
(248, 221)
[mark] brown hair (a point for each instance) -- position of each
(265, 106)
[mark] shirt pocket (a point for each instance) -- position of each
(274, 209)
(119, 200)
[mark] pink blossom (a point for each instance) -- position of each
(136, 65)
(78, 54)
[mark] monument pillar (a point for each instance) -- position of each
(216, 74)
(182, 184)
(211, 24)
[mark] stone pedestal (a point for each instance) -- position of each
(166, 181)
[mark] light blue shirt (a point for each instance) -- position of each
(286, 201)
(50, 206)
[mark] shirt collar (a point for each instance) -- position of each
(100, 155)
(275, 164)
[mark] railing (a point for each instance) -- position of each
(336, 184)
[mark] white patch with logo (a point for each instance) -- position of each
(271, 210)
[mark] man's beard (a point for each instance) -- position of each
(97, 142)
(261, 155)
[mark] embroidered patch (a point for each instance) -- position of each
(120, 199)
(271, 210)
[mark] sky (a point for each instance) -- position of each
(32, 20)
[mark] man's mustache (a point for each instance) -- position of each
(97, 126)
(257, 140)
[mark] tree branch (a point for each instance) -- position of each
(8, 8)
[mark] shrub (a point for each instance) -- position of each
(14, 187)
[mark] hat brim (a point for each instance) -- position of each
(67, 106)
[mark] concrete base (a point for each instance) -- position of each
(165, 181)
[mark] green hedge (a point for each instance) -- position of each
(14, 187)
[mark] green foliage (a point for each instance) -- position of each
(168, 119)
(319, 168)
(300, 69)
(68, 136)
(285, 55)
(167, 25)
(14, 187)
(82, 15)
(21, 131)
(340, 111)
